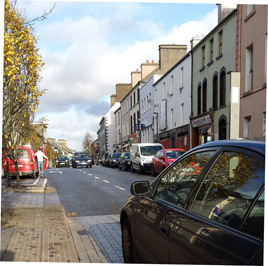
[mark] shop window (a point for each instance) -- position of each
(249, 69)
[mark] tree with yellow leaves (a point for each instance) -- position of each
(21, 94)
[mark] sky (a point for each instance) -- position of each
(88, 47)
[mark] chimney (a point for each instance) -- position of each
(113, 99)
(224, 11)
(122, 89)
(135, 77)
(196, 40)
(169, 55)
(147, 68)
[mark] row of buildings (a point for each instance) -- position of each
(216, 90)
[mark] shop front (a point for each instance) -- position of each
(202, 129)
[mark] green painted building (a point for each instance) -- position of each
(215, 85)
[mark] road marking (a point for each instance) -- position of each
(90, 174)
(120, 187)
(96, 177)
(84, 172)
(58, 172)
(45, 181)
(105, 181)
(36, 180)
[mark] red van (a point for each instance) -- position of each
(27, 163)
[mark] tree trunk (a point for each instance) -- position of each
(7, 174)
(17, 173)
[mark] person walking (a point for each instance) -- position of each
(40, 158)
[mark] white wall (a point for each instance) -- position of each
(175, 88)
(147, 108)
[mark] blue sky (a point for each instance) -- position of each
(88, 47)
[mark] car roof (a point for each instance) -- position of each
(252, 144)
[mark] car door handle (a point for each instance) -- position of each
(164, 227)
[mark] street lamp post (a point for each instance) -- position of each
(155, 113)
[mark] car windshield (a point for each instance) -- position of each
(150, 150)
(173, 154)
(23, 154)
(116, 155)
(62, 157)
(81, 154)
(127, 155)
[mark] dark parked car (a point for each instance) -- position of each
(107, 160)
(81, 159)
(205, 208)
(114, 160)
(62, 161)
(163, 158)
(124, 161)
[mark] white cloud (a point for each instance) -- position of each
(86, 67)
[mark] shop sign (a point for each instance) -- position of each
(201, 121)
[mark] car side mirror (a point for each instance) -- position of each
(140, 188)
(161, 158)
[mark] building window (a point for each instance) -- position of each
(134, 98)
(264, 124)
(247, 126)
(172, 84)
(182, 113)
(164, 90)
(215, 92)
(220, 40)
(155, 96)
(150, 100)
(249, 69)
(131, 101)
(181, 77)
(222, 128)
(222, 88)
(211, 44)
(204, 96)
(171, 118)
(131, 124)
(199, 99)
(134, 122)
(203, 56)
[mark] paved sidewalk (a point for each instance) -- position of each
(36, 228)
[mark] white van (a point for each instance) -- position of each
(141, 155)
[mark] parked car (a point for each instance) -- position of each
(81, 159)
(205, 208)
(27, 163)
(62, 161)
(163, 158)
(114, 160)
(141, 155)
(107, 160)
(124, 161)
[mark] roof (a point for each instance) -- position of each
(256, 145)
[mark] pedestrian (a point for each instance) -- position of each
(40, 158)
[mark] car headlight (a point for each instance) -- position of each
(89, 161)
(114, 161)
(77, 161)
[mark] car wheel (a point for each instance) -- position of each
(125, 168)
(90, 166)
(132, 169)
(127, 242)
(153, 173)
(140, 170)
(119, 168)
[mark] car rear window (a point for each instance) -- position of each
(150, 150)
(23, 154)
